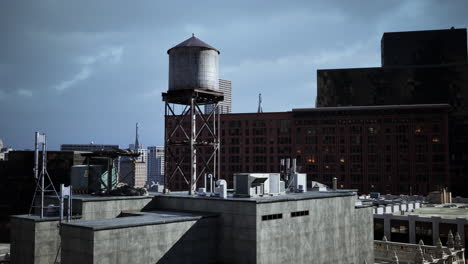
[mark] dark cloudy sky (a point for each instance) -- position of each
(87, 70)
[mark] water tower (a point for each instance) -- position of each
(193, 81)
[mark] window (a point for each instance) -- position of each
(299, 213)
(272, 217)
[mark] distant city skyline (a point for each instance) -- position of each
(87, 71)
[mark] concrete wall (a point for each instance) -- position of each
(460, 222)
(34, 240)
(179, 242)
(364, 234)
(406, 253)
(95, 207)
(111, 208)
(331, 233)
(236, 226)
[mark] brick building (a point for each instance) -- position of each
(390, 149)
(418, 67)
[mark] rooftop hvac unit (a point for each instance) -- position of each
(298, 182)
(257, 184)
(275, 183)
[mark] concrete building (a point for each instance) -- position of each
(429, 224)
(387, 149)
(88, 147)
(133, 173)
(387, 252)
(177, 228)
(143, 152)
(156, 164)
(17, 181)
(418, 67)
(225, 106)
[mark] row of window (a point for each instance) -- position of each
(280, 216)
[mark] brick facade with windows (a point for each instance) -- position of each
(388, 149)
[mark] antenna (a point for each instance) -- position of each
(43, 181)
(260, 110)
(137, 138)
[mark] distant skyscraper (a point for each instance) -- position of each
(225, 106)
(138, 147)
(156, 164)
(137, 138)
(133, 173)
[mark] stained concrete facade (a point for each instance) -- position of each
(35, 240)
(312, 227)
(434, 217)
(150, 239)
(385, 252)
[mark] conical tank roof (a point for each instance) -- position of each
(193, 42)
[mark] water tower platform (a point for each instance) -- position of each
(184, 96)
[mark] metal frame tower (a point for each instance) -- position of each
(192, 140)
(260, 109)
(44, 183)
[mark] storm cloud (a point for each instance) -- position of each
(89, 70)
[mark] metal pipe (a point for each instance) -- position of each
(282, 166)
(43, 172)
(109, 175)
(193, 151)
(205, 181)
(211, 183)
(219, 142)
(36, 157)
(70, 204)
(215, 146)
(165, 148)
(61, 203)
(294, 165)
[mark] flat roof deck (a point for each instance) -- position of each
(266, 198)
(448, 213)
(139, 219)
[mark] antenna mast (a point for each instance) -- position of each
(137, 138)
(260, 110)
(43, 181)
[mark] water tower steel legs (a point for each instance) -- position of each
(194, 141)
(193, 150)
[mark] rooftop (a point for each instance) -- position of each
(442, 211)
(268, 199)
(139, 219)
(374, 107)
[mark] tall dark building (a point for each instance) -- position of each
(431, 47)
(389, 149)
(420, 67)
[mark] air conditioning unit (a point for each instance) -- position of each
(251, 184)
(298, 182)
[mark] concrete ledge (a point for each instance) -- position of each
(138, 219)
(265, 199)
